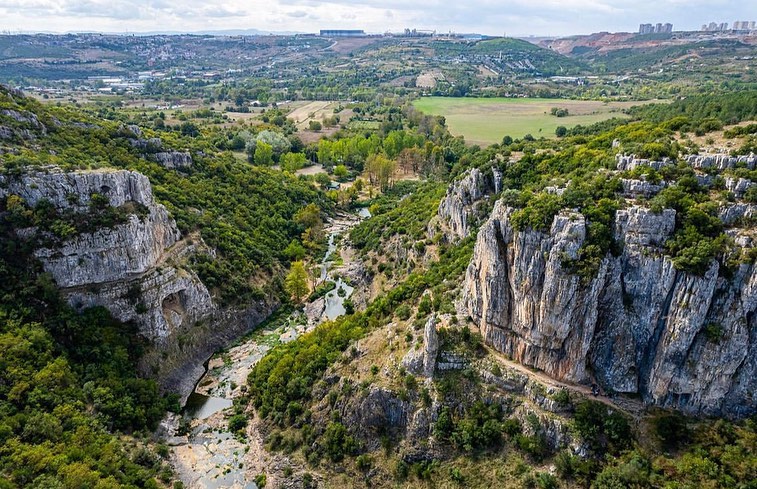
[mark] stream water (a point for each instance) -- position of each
(211, 457)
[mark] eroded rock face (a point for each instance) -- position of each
(74, 190)
(734, 213)
(625, 162)
(738, 186)
(633, 188)
(458, 208)
(123, 267)
(136, 270)
(28, 118)
(638, 326)
(721, 161)
(174, 159)
(423, 360)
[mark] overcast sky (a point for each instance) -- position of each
(494, 17)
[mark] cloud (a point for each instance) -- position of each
(516, 17)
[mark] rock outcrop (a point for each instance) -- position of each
(422, 361)
(459, 207)
(738, 186)
(721, 161)
(633, 188)
(25, 118)
(174, 159)
(733, 213)
(124, 267)
(630, 162)
(135, 269)
(638, 326)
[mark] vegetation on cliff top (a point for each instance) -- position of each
(67, 381)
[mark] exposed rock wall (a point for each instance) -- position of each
(122, 268)
(174, 159)
(721, 161)
(625, 162)
(423, 361)
(73, 190)
(639, 326)
(457, 210)
(135, 270)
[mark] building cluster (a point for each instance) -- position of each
(418, 33)
(658, 28)
(342, 33)
(743, 25)
(738, 25)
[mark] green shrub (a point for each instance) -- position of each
(260, 480)
(602, 427)
(237, 423)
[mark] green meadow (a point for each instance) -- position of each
(487, 120)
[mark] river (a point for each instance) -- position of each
(205, 454)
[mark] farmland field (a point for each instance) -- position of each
(487, 120)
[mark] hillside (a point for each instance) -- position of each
(616, 263)
(575, 311)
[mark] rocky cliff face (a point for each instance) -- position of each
(124, 267)
(639, 326)
(459, 208)
(135, 269)
(422, 361)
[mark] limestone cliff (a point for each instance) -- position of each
(459, 208)
(639, 326)
(422, 361)
(135, 268)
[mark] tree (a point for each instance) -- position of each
(410, 159)
(263, 154)
(189, 129)
(293, 161)
(340, 171)
(315, 125)
(310, 217)
(295, 250)
(279, 143)
(561, 131)
(296, 282)
(380, 170)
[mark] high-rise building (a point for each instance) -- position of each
(743, 25)
(655, 28)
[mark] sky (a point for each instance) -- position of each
(492, 17)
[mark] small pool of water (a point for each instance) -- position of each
(200, 406)
(334, 303)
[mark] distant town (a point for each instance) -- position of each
(59, 65)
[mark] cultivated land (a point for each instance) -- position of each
(488, 120)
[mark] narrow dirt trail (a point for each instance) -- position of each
(633, 407)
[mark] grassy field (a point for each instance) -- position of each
(487, 120)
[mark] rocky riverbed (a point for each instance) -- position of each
(204, 453)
